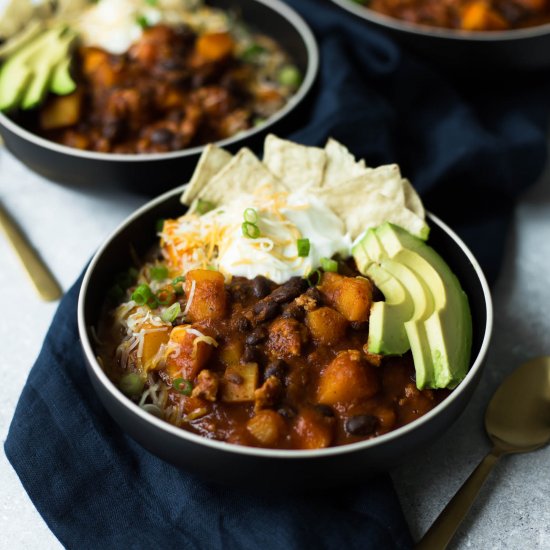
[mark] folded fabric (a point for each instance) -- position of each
(470, 151)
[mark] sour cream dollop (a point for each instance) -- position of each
(217, 239)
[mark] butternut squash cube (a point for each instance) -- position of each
(326, 325)
(61, 111)
(153, 338)
(347, 379)
(231, 353)
(214, 46)
(239, 383)
(186, 358)
(267, 427)
(206, 290)
(310, 430)
(350, 296)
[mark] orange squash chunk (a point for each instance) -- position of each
(326, 325)
(350, 296)
(310, 430)
(215, 46)
(151, 344)
(266, 427)
(186, 358)
(347, 379)
(209, 299)
(239, 383)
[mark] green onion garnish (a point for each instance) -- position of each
(303, 247)
(314, 278)
(158, 272)
(144, 295)
(151, 2)
(250, 230)
(169, 315)
(185, 387)
(289, 76)
(160, 225)
(252, 52)
(131, 384)
(142, 21)
(204, 206)
(177, 284)
(258, 121)
(250, 215)
(329, 265)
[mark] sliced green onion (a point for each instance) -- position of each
(204, 206)
(151, 2)
(142, 21)
(250, 215)
(158, 272)
(290, 76)
(160, 225)
(329, 265)
(144, 295)
(185, 387)
(258, 121)
(314, 278)
(177, 284)
(303, 247)
(252, 52)
(250, 230)
(131, 384)
(166, 296)
(169, 315)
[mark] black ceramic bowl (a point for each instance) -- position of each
(154, 173)
(491, 51)
(247, 466)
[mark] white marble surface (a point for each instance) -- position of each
(513, 510)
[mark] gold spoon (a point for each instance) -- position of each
(517, 420)
(40, 275)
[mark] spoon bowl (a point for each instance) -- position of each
(518, 417)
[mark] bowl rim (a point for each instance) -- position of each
(309, 78)
(292, 454)
(457, 35)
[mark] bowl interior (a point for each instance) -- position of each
(137, 235)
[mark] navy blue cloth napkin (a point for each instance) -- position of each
(469, 147)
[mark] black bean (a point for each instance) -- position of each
(359, 325)
(287, 411)
(362, 424)
(293, 311)
(265, 311)
(261, 286)
(325, 410)
(315, 295)
(290, 290)
(250, 354)
(171, 64)
(258, 335)
(162, 136)
(277, 368)
(242, 324)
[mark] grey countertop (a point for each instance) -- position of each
(513, 508)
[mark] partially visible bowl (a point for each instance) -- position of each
(154, 173)
(525, 48)
(250, 466)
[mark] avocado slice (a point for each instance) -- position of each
(26, 76)
(62, 83)
(440, 339)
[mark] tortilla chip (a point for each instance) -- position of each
(212, 160)
(243, 174)
(297, 166)
(341, 164)
(412, 199)
(365, 207)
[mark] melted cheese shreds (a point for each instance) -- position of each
(216, 238)
(190, 298)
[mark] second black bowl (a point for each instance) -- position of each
(153, 173)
